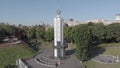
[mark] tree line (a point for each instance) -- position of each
(88, 36)
(37, 32)
(83, 35)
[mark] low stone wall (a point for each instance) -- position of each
(22, 64)
(44, 63)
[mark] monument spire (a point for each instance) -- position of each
(58, 36)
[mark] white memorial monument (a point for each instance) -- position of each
(58, 36)
(45, 58)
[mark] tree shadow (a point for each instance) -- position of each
(95, 51)
(70, 52)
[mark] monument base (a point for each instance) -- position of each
(59, 52)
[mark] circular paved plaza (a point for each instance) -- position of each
(45, 59)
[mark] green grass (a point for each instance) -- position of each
(110, 45)
(110, 50)
(9, 55)
(47, 45)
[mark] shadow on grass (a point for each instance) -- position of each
(10, 66)
(95, 51)
(35, 48)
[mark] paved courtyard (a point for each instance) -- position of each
(69, 62)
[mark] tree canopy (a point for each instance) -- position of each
(82, 37)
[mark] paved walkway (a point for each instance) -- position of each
(45, 54)
(106, 59)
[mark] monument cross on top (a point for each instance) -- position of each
(58, 12)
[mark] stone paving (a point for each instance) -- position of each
(45, 57)
(106, 59)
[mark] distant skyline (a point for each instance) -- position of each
(32, 12)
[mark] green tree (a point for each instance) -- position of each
(40, 33)
(31, 33)
(49, 34)
(82, 38)
(113, 32)
(10, 29)
(0, 38)
(98, 33)
(0, 34)
(72, 33)
(67, 31)
(22, 32)
(7, 30)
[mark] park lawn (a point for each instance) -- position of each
(46, 45)
(110, 45)
(112, 51)
(9, 55)
(109, 50)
